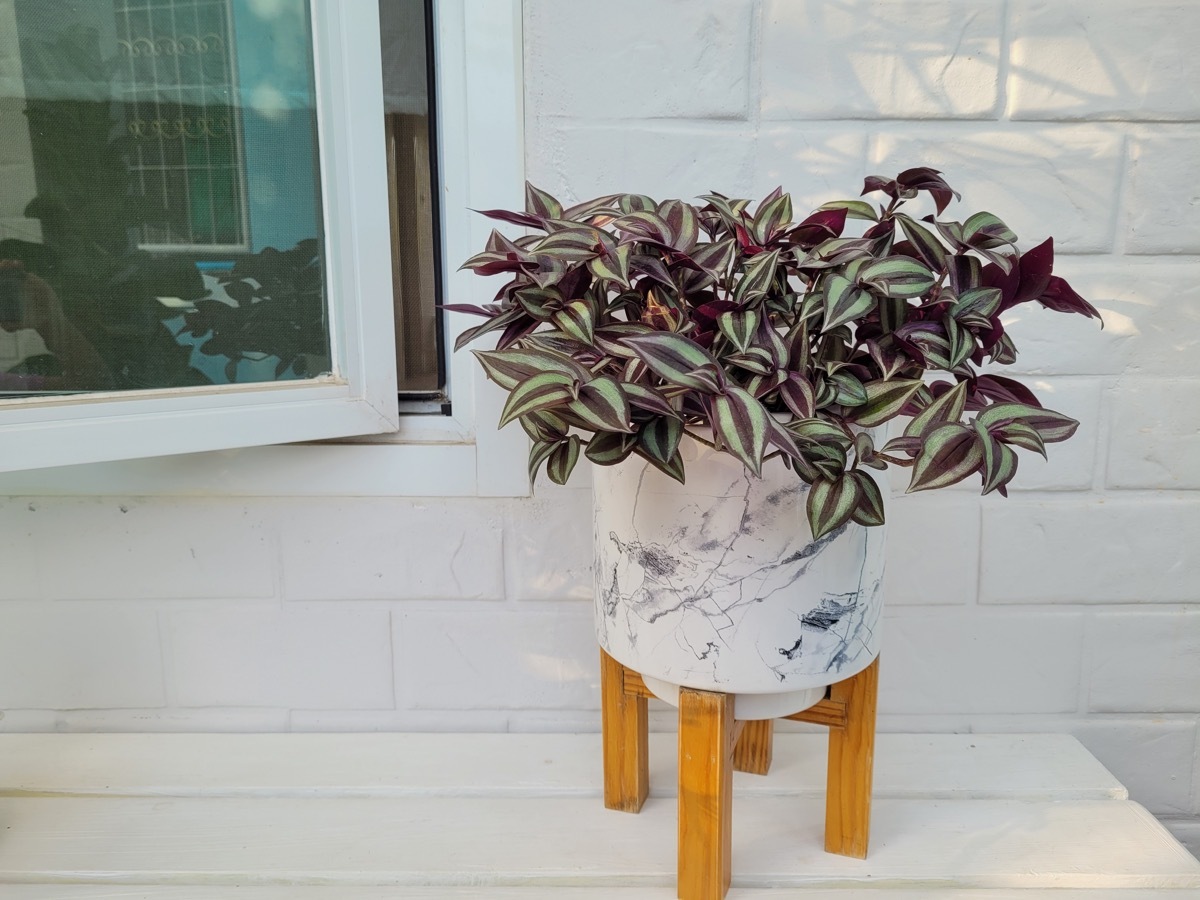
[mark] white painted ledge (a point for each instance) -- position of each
(361, 817)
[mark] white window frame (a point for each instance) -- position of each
(481, 163)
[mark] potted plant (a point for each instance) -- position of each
(731, 372)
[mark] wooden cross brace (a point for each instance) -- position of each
(712, 744)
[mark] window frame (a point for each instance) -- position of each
(478, 63)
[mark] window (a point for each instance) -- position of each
(317, 142)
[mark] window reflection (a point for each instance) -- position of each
(159, 199)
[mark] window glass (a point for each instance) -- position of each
(160, 209)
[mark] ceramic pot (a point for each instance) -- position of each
(717, 584)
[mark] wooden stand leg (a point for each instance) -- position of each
(625, 739)
(752, 752)
(706, 740)
(851, 764)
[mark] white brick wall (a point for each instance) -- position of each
(1072, 606)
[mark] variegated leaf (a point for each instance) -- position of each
(850, 391)
(923, 240)
(831, 504)
(672, 467)
(999, 461)
(541, 391)
(741, 422)
(562, 460)
(985, 230)
(885, 399)
(1051, 426)
(613, 265)
(683, 226)
(1020, 435)
(538, 454)
(607, 448)
(677, 360)
(602, 405)
(757, 278)
(544, 426)
(739, 326)
(844, 301)
(541, 204)
(648, 399)
(982, 301)
(798, 395)
(660, 438)
(898, 276)
(949, 453)
(772, 217)
(948, 407)
(869, 510)
(508, 367)
(715, 258)
(855, 209)
(576, 320)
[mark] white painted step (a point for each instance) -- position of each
(468, 817)
(940, 766)
(454, 841)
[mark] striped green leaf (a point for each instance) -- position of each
(576, 320)
(855, 209)
(985, 230)
(924, 241)
(659, 438)
(509, 367)
(607, 448)
(869, 510)
(648, 399)
(757, 360)
(756, 280)
(798, 395)
(999, 461)
(831, 504)
(683, 225)
(885, 399)
(495, 323)
(850, 391)
(544, 426)
(741, 422)
(1021, 435)
(672, 467)
(613, 264)
(949, 453)
(961, 343)
(739, 325)
(562, 460)
(771, 218)
(946, 408)
(981, 301)
(602, 405)
(715, 258)
(539, 203)
(898, 276)
(646, 225)
(1051, 426)
(845, 301)
(538, 392)
(538, 454)
(677, 360)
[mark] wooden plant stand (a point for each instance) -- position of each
(712, 743)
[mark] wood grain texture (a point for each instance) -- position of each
(706, 739)
(625, 734)
(752, 752)
(852, 765)
(824, 712)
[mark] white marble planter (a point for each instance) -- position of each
(718, 584)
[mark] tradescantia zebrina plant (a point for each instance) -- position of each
(627, 325)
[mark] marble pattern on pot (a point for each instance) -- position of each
(718, 585)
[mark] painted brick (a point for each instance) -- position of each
(390, 549)
(528, 658)
(548, 544)
(298, 657)
(1155, 435)
(210, 721)
(73, 657)
(17, 559)
(374, 720)
(113, 549)
(933, 549)
(1104, 59)
(580, 162)
(1144, 662)
(1164, 197)
(945, 663)
(642, 60)
(1058, 180)
(1153, 759)
(1151, 317)
(814, 162)
(1128, 550)
(880, 59)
